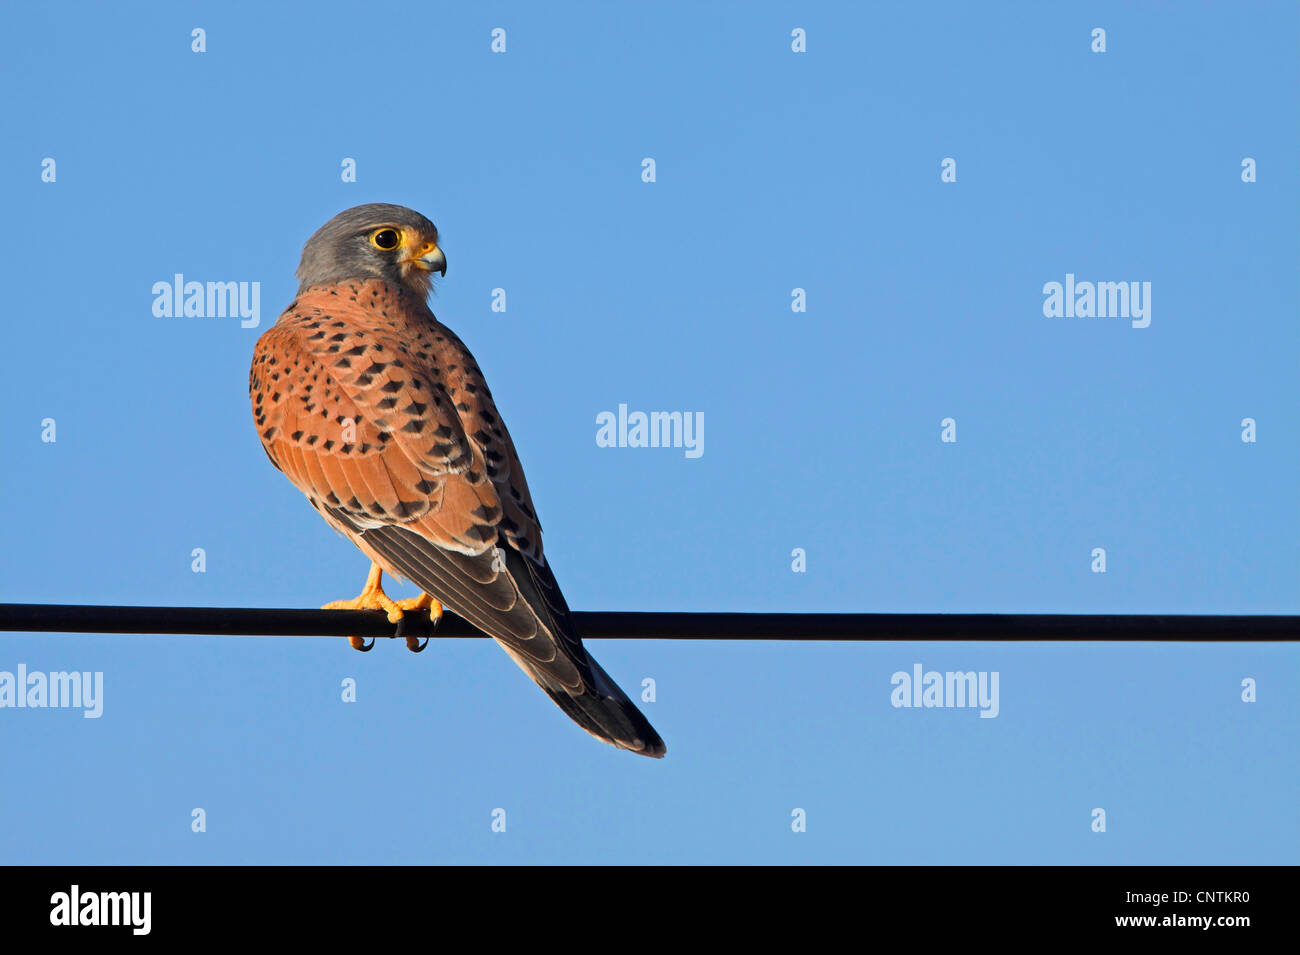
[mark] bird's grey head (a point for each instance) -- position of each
(379, 240)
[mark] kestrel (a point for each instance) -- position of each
(381, 416)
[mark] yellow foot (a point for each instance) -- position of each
(372, 597)
(422, 602)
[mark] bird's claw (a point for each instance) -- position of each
(422, 602)
(372, 597)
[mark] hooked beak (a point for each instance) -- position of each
(431, 259)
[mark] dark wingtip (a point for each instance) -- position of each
(651, 744)
(655, 750)
(611, 720)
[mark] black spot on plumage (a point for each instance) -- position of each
(343, 363)
(387, 404)
(486, 512)
(393, 386)
(415, 408)
(346, 448)
(426, 486)
(268, 433)
(296, 435)
(414, 426)
(481, 436)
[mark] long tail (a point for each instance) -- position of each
(607, 714)
(602, 709)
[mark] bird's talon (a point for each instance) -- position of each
(414, 646)
(372, 597)
(359, 643)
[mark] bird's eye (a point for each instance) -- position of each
(386, 239)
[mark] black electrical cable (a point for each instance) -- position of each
(666, 625)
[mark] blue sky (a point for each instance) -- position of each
(774, 171)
